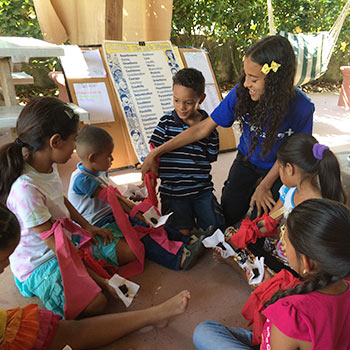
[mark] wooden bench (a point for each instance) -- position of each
(21, 78)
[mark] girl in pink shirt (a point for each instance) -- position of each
(316, 313)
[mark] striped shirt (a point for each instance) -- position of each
(186, 170)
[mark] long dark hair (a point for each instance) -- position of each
(320, 230)
(298, 150)
(9, 228)
(41, 118)
(278, 91)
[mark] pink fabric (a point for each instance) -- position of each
(249, 232)
(318, 318)
(134, 234)
(108, 194)
(74, 275)
(142, 207)
(158, 234)
(255, 303)
(150, 181)
(48, 325)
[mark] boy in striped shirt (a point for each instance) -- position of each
(186, 188)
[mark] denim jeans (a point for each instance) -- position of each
(211, 335)
(201, 209)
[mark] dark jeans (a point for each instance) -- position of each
(240, 186)
(155, 251)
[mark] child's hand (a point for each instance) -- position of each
(106, 234)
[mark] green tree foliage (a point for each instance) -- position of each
(212, 23)
(18, 19)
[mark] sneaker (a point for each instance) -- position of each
(193, 252)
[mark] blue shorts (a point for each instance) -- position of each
(45, 283)
(108, 252)
(198, 210)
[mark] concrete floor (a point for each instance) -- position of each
(217, 292)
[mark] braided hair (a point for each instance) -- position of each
(320, 230)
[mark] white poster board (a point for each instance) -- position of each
(142, 78)
(94, 98)
(199, 59)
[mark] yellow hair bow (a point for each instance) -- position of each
(266, 68)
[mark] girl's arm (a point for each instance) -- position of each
(275, 213)
(192, 134)
(279, 341)
(262, 197)
(45, 227)
(94, 230)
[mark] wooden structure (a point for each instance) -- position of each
(86, 22)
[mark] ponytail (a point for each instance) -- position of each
(330, 177)
(41, 118)
(11, 165)
(315, 160)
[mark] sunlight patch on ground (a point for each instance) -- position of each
(126, 178)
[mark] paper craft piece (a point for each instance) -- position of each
(125, 289)
(154, 219)
(142, 78)
(133, 191)
(217, 239)
(93, 97)
(162, 220)
(255, 266)
(256, 270)
(82, 64)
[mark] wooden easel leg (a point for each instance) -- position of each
(8, 89)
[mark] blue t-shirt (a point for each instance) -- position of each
(298, 119)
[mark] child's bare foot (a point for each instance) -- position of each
(172, 307)
(220, 260)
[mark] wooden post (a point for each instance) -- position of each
(114, 20)
(8, 88)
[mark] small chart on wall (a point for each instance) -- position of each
(142, 77)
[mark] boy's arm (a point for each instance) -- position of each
(94, 230)
(192, 134)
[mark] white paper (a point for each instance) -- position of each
(94, 98)
(116, 281)
(216, 238)
(82, 64)
(258, 264)
(162, 220)
(154, 219)
(212, 99)
(94, 62)
(199, 61)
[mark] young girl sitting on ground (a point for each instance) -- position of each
(95, 147)
(31, 187)
(307, 170)
(36, 329)
(315, 313)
